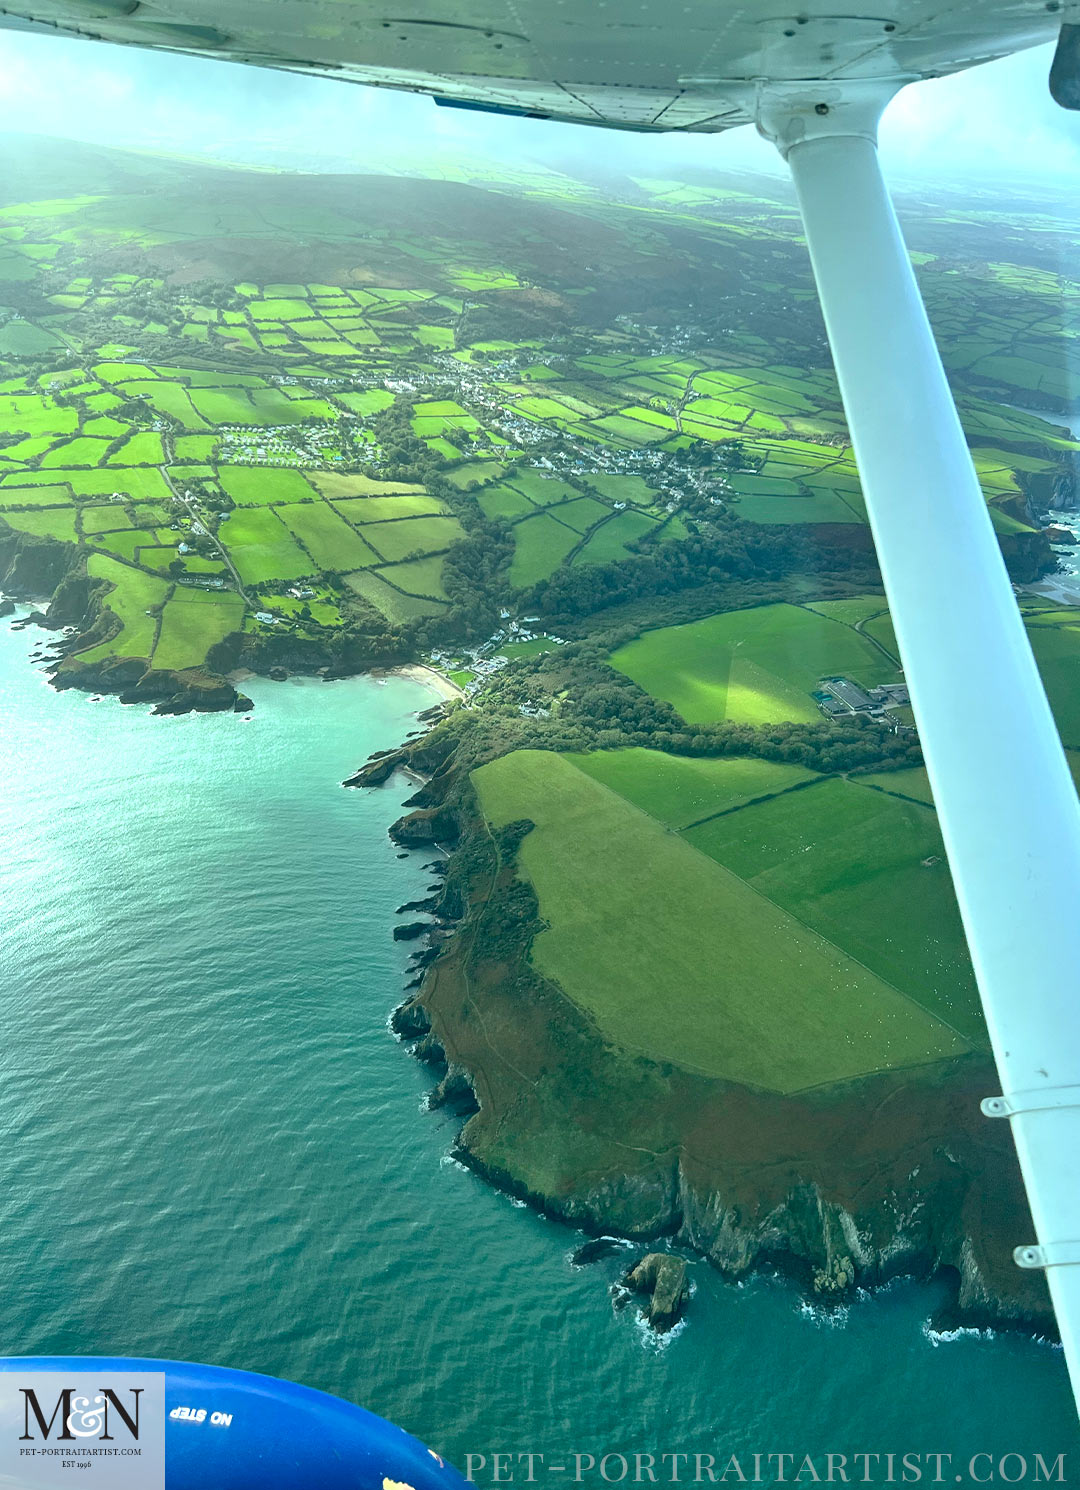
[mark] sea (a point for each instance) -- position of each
(212, 1147)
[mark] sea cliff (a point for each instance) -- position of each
(841, 1188)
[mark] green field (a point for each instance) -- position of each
(421, 577)
(1054, 633)
(912, 782)
(756, 666)
(327, 537)
(263, 549)
(609, 543)
(1057, 651)
(540, 545)
(868, 871)
(105, 519)
(333, 485)
(679, 790)
(192, 622)
(393, 603)
(49, 522)
(413, 535)
(259, 486)
(12, 497)
(505, 503)
(132, 594)
(676, 958)
(139, 483)
(360, 510)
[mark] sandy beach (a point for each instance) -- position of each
(423, 674)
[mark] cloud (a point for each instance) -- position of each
(997, 119)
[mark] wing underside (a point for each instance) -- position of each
(635, 64)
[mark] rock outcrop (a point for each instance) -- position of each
(408, 931)
(661, 1276)
(425, 825)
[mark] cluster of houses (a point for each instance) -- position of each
(486, 659)
(297, 592)
(279, 444)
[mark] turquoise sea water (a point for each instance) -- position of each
(213, 1149)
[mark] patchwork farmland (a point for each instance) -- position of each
(307, 450)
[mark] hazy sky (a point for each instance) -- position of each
(997, 119)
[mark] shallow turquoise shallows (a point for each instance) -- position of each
(212, 1148)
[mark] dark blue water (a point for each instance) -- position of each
(213, 1149)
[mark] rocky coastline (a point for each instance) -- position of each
(842, 1190)
(51, 576)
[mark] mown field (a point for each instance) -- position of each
(759, 998)
(755, 666)
(680, 790)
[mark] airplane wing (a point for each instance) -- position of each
(632, 64)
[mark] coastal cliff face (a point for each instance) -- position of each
(32, 567)
(840, 1188)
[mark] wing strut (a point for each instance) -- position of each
(1008, 809)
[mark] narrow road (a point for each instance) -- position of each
(195, 518)
(882, 648)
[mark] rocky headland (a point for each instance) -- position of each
(842, 1188)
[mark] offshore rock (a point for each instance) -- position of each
(35, 618)
(594, 1250)
(7, 608)
(662, 1276)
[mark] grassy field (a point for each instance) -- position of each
(414, 535)
(675, 957)
(1054, 633)
(360, 510)
(133, 593)
(1057, 651)
(421, 577)
(912, 782)
(52, 522)
(867, 870)
(540, 545)
(679, 790)
(755, 666)
(326, 536)
(192, 622)
(263, 549)
(394, 603)
(256, 486)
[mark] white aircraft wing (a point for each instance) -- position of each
(634, 64)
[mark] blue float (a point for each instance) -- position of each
(235, 1430)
